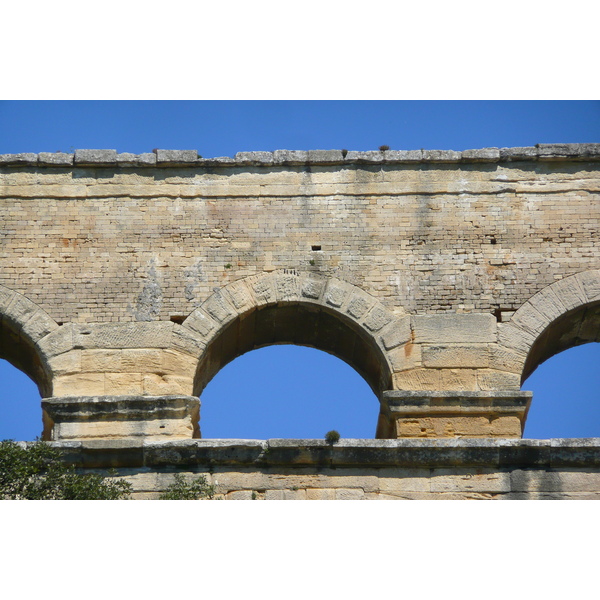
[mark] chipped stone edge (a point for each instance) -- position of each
(190, 158)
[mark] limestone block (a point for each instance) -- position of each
(405, 357)
(285, 495)
(515, 338)
(58, 341)
(417, 379)
(178, 363)
(458, 426)
(126, 159)
(55, 158)
(454, 328)
(483, 155)
(163, 384)
(287, 287)
(123, 383)
(396, 333)
(505, 359)
(141, 360)
(66, 364)
(290, 156)
(530, 319)
(175, 157)
(239, 495)
(570, 292)
(263, 289)
(447, 480)
(458, 379)
(404, 480)
(349, 494)
(337, 293)
(312, 287)
(156, 429)
(555, 481)
(254, 158)
(403, 155)
(239, 296)
(325, 156)
(377, 318)
(19, 311)
(320, 494)
(441, 155)
(100, 360)
(456, 355)
(81, 384)
(143, 334)
(590, 283)
(88, 157)
(526, 153)
(547, 303)
(187, 341)
(359, 304)
(219, 308)
(24, 158)
(489, 379)
(38, 326)
(200, 322)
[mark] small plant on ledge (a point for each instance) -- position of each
(332, 437)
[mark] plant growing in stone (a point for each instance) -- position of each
(37, 472)
(180, 489)
(332, 437)
(383, 148)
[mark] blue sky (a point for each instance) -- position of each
(290, 391)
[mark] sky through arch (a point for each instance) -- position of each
(287, 391)
(566, 395)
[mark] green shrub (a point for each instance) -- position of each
(193, 490)
(37, 472)
(332, 437)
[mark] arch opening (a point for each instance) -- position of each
(297, 324)
(301, 325)
(574, 328)
(566, 395)
(20, 405)
(287, 391)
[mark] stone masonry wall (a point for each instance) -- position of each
(444, 278)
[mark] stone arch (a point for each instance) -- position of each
(306, 309)
(23, 325)
(560, 316)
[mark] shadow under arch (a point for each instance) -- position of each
(300, 309)
(22, 325)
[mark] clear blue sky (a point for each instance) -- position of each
(286, 391)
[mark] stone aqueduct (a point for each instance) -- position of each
(444, 278)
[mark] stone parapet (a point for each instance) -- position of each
(170, 158)
(355, 453)
(409, 414)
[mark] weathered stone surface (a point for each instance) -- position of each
(176, 157)
(90, 157)
(455, 328)
(55, 158)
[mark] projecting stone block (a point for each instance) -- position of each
(454, 328)
(264, 158)
(55, 158)
(325, 156)
(24, 158)
(481, 155)
(92, 157)
(176, 157)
